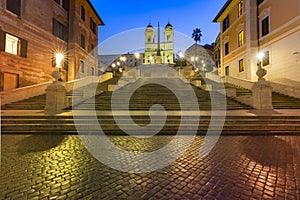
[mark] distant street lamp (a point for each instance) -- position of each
(123, 60)
(113, 68)
(181, 55)
(137, 57)
(150, 59)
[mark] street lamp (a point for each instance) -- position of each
(59, 58)
(123, 60)
(260, 57)
(150, 59)
(137, 57)
(181, 55)
(113, 67)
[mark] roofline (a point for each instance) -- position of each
(222, 10)
(102, 23)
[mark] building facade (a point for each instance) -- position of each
(159, 52)
(34, 32)
(268, 28)
(200, 57)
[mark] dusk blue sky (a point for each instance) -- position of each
(184, 15)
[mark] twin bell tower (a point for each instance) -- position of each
(159, 52)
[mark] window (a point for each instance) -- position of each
(60, 2)
(92, 25)
(168, 38)
(82, 41)
(14, 6)
(266, 59)
(11, 44)
(92, 71)
(240, 8)
(226, 48)
(226, 23)
(63, 3)
(82, 67)
(82, 13)
(265, 26)
(241, 65)
(241, 38)
(227, 71)
(59, 30)
(149, 39)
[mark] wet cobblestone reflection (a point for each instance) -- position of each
(239, 167)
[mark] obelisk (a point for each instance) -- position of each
(158, 54)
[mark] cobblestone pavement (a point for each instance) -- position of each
(239, 167)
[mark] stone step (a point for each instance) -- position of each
(234, 124)
(250, 122)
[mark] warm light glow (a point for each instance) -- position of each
(59, 58)
(194, 58)
(260, 56)
(123, 58)
(113, 65)
(137, 55)
(180, 54)
(118, 63)
(11, 44)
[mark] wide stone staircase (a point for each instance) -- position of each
(240, 119)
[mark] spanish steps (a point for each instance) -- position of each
(240, 119)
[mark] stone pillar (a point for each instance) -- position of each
(55, 96)
(262, 92)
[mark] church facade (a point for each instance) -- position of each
(159, 52)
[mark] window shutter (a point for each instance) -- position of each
(2, 40)
(24, 45)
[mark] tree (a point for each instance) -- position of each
(197, 34)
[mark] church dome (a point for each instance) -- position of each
(149, 26)
(169, 25)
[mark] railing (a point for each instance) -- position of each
(19, 94)
(286, 90)
(239, 82)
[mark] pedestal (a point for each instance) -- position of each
(262, 95)
(55, 98)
